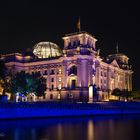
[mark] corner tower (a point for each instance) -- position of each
(80, 43)
(79, 51)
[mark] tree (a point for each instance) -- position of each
(26, 83)
(38, 84)
(117, 92)
(2, 70)
(127, 94)
(18, 83)
(4, 78)
(136, 94)
(41, 87)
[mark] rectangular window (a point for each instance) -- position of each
(45, 72)
(51, 96)
(60, 79)
(112, 75)
(52, 80)
(59, 96)
(52, 72)
(52, 87)
(101, 73)
(60, 71)
(59, 86)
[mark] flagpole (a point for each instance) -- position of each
(80, 25)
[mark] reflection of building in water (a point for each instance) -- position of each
(90, 130)
(69, 73)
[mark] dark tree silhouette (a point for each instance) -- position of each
(117, 92)
(4, 77)
(26, 83)
(2, 70)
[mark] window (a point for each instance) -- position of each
(52, 87)
(72, 70)
(101, 73)
(52, 80)
(59, 86)
(101, 87)
(60, 71)
(59, 96)
(112, 75)
(52, 72)
(51, 96)
(60, 79)
(45, 72)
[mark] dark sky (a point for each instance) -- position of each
(24, 23)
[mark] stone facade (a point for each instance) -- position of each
(69, 75)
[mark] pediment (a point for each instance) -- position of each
(114, 63)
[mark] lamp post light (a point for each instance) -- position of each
(90, 92)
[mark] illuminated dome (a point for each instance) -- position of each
(46, 50)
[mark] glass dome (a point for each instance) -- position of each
(46, 50)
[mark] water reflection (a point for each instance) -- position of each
(91, 128)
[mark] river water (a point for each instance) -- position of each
(72, 128)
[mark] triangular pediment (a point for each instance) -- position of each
(114, 63)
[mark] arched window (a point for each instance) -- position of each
(51, 96)
(72, 70)
(52, 87)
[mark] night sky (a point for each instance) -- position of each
(24, 23)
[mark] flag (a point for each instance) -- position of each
(79, 25)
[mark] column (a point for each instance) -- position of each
(130, 82)
(103, 78)
(90, 72)
(84, 74)
(98, 76)
(56, 77)
(108, 78)
(64, 74)
(124, 83)
(79, 71)
(128, 78)
(115, 79)
(49, 80)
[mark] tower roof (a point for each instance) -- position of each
(78, 33)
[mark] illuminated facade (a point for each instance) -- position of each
(70, 72)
